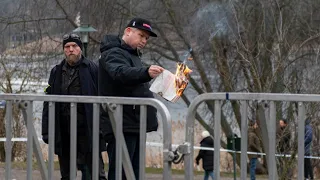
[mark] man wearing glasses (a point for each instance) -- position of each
(75, 75)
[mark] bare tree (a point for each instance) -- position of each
(237, 46)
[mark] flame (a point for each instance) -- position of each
(182, 78)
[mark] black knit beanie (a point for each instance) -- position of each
(72, 38)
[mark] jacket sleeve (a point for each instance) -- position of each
(200, 155)
(119, 68)
(45, 111)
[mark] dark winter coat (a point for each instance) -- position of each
(307, 139)
(122, 74)
(206, 155)
(253, 143)
(88, 74)
(284, 137)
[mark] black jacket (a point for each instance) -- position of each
(88, 72)
(206, 155)
(122, 74)
(284, 137)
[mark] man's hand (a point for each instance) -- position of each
(155, 70)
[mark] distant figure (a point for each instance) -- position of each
(308, 173)
(253, 146)
(284, 137)
(206, 155)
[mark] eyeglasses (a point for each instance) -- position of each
(72, 35)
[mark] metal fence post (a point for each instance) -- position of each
(119, 141)
(95, 143)
(143, 127)
(301, 122)
(73, 140)
(30, 139)
(8, 139)
(244, 138)
(189, 134)
(36, 146)
(51, 139)
(113, 111)
(272, 168)
(167, 141)
(217, 132)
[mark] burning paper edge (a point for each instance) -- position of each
(171, 86)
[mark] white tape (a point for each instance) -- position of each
(155, 144)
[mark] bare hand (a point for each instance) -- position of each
(155, 70)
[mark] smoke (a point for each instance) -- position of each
(210, 21)
(77, 20)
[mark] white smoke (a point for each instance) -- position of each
(77, 20)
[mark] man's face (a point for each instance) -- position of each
(282, 124)
(72, 52)
(136, 38)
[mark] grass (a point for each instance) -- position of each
(149, 170)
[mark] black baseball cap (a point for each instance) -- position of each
(142, 24)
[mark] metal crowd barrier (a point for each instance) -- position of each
(244, 98)
(114, 106)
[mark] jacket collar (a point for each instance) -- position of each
(130, 49)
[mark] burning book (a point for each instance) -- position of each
(171, 86)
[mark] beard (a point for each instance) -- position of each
(72, 59)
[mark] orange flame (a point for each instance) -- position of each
(182, 78)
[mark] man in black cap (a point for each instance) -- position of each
(75, 75)
(121, 73)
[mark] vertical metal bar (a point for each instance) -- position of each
(26, 112)
(189, 138)
(51, 139)
(95, 143)
(8, 139)
(119, 141)
(73, 140)
(167, 141)
(36, 146)
(272, 140)
(301, 129)
(234, 157)
(244, 139)
(30, 139)
(127, 166)
(217, 132)
(143, 128)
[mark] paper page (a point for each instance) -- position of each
(164, 85)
